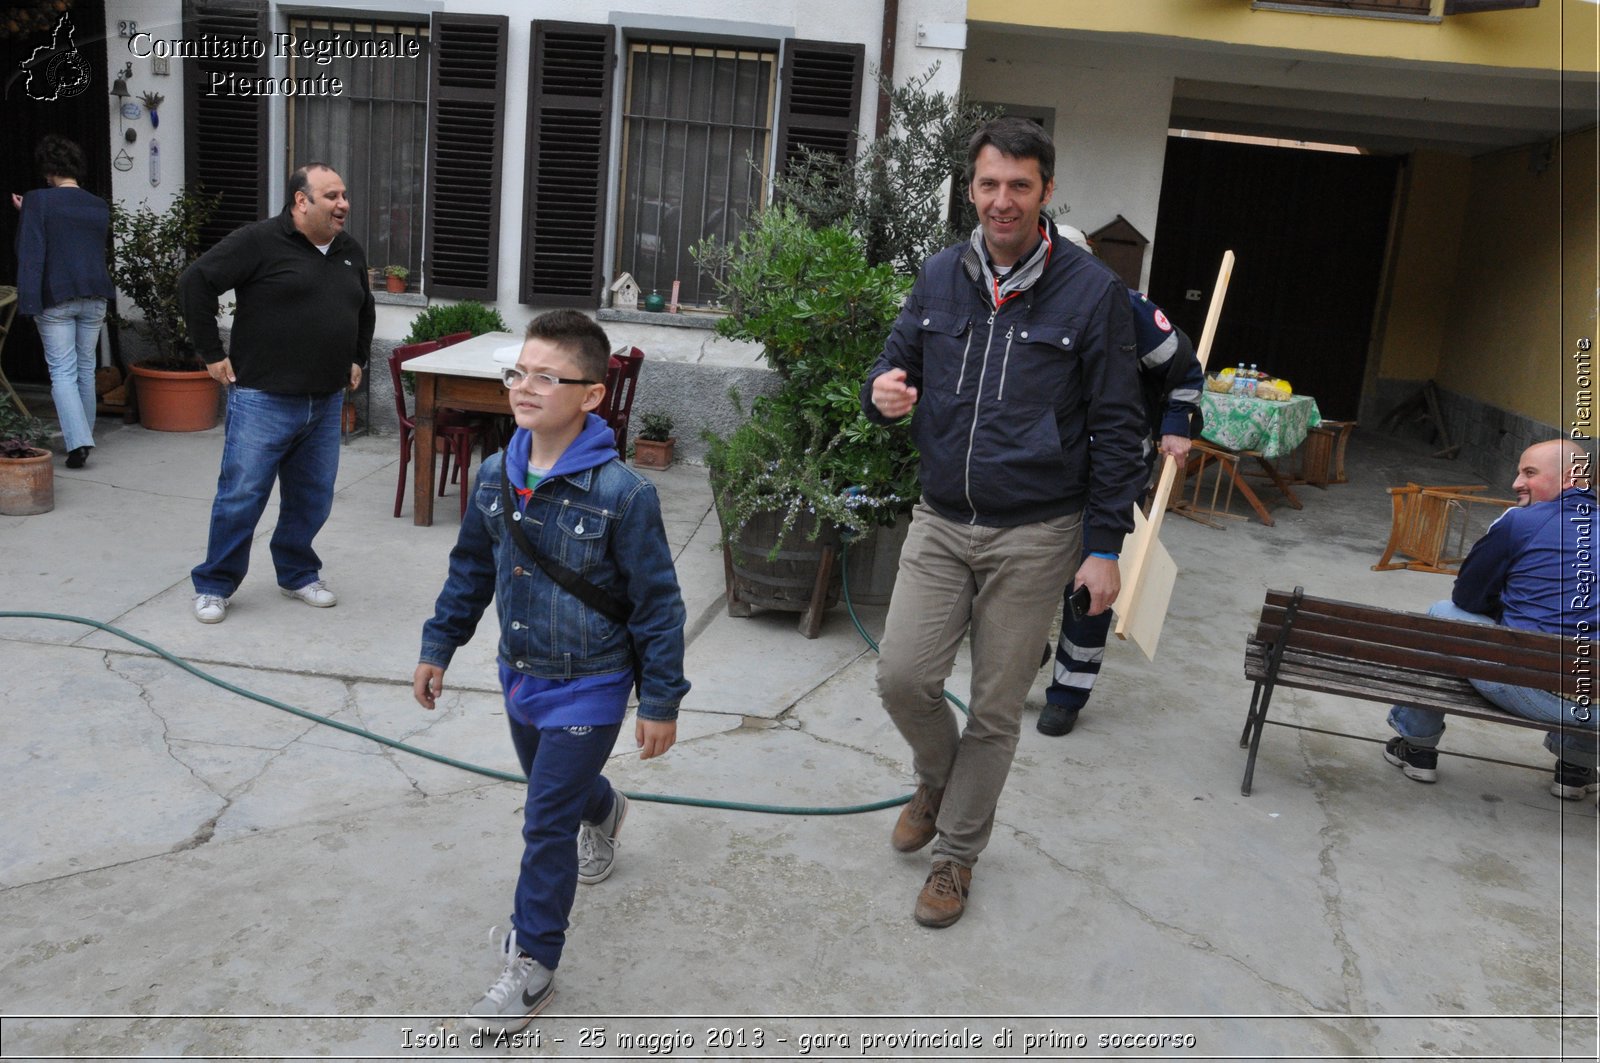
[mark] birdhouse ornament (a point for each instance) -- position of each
(625, 293)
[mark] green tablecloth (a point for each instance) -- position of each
(1272, 428)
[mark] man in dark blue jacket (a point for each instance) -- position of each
(1016, 352)
(1533, 570)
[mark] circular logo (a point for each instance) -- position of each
(68, 74)
(1161, 321)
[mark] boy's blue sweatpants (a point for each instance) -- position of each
(565, 787)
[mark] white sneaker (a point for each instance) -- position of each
(597, 843)
(316, 594)
(522, 991)
(210, 608)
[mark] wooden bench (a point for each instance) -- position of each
(1395, 658)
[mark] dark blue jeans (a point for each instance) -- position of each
(565, 788)
(293, 439)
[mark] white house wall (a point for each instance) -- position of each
(1110, 128)
(773, 19)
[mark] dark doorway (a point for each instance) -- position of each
(84, 115)
(1309, 229)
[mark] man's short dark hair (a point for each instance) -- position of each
(300, 180)
(1020, 138)
(56, 156)
(579, 336)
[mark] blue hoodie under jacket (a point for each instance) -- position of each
(597, 517)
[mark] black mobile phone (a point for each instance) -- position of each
(1079, 602)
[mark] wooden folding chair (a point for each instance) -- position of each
(1431, 525)
(8, 314)
(1196, 503)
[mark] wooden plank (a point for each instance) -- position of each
(1421, 660)
(1550, 656)
(1147, 563)
(1535, 641)
(1463, 700)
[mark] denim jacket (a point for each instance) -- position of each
(602, 520)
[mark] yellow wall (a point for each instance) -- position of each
(1580, 289)
(1423, 269)
(1533, 38)
(1525, 282)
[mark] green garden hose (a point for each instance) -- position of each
(478, 769)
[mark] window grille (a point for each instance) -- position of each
(697, 129)
(374, 134)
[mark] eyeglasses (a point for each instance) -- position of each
(542, 383)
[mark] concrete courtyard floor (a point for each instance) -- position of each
(190, 873)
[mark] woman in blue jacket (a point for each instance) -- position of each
(63, 284)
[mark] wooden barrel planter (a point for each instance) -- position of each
(873, 561)
(27, 485)
(176, 401)
(802, 576)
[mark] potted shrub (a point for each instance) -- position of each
(806, 466)
(173, 391)
(27, 470)
(653, 448)
(395, 278)
(449, 319)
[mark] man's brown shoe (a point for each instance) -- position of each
(944, 895)
(915, 828)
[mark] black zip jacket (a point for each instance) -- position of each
(1029, 411)
(302, 317)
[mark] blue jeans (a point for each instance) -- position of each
(565, 788)
(295, 440)
(1422, 727)
(70, 332)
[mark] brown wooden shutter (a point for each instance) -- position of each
(570, 85)
(224, 134)
(821, 99)
(466, 123)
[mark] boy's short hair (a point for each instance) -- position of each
(56, 156)
(1020, 138)
(579, 335)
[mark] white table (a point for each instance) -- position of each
(462, 376)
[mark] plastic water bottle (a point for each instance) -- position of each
(1238, 380)
(1255, 377)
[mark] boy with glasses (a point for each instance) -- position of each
(569, 543)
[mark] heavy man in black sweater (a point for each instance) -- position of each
(302, 331)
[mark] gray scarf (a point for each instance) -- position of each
(975, 259)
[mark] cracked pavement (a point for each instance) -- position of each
(178, 854)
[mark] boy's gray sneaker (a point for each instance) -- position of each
(597, 843)
(524, 988)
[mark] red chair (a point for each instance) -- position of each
(453, 434)
(454, 337)
(622, 379)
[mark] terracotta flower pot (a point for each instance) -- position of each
(27, 485)
(653, 453)
(170, 401)
(397, 285)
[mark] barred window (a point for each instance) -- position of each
(374, 134)
(697, 133)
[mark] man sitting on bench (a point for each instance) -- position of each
(1532, 570)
